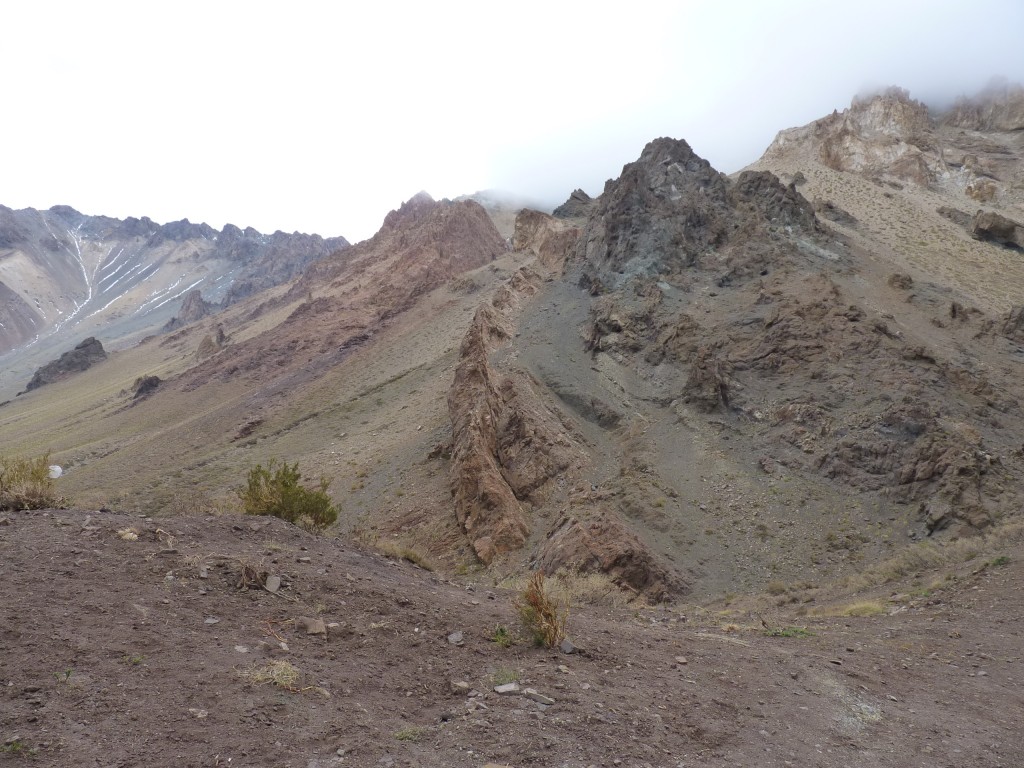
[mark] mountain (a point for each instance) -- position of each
(762, 432)
(65, 275)
(691, 385)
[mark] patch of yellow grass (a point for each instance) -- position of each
(283, 674)
(572, 588)
(400, 551)
(859, 609)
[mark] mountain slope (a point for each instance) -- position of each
(699, 386)
(65, 275)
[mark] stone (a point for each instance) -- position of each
(540, 698)
(273, 583)
(312, 626)
(508, 689)
(681, 660)
(456, 638)
(211, 620)
(567, 646)
(304, 559)
(83, 356)
(458, 687)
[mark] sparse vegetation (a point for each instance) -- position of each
(410, 733)
(1001, 560)
(275, 490)
(17, 747)
(392, 548)
(282, 674)
(859, 609)
(25, 483)
(542, 616)
(789, 632)
(502, 637)
(504, 676)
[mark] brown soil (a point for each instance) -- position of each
(111, 658)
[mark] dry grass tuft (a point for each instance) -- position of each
(282, 674)
(930, 555)
(573, 588)
(859, 609)
(26, 483)
(543, 617)
(399, 551)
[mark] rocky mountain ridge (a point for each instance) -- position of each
(657, 388)
(64, 274)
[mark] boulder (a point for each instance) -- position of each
(86, 354)
(993, 227)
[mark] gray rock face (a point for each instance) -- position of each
(670, 209)
(82, 357)
(576, 207)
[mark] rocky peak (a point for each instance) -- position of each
(412, 209)
(886, 133)
(1000, 107)
(890, 112)
(179, 231)
(670, 208)
(577, 206)
(230, 233)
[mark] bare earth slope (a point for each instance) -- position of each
(128, 652)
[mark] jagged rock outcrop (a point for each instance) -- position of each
(145, 386)
(85, 354)
(506, 446)
(990, 226)
(545, 237)
(193, 308)
(695, 285)
(577, 206)
(670, 211)
(885, 133)
(1012, 326)
(422, 245)
(602, 543)
(999, 107)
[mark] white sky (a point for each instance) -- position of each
(321, 117)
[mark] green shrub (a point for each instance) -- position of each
(275, 490)
(26, 483)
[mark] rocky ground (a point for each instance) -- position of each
(133, 641)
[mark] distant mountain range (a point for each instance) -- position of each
(65, 275)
